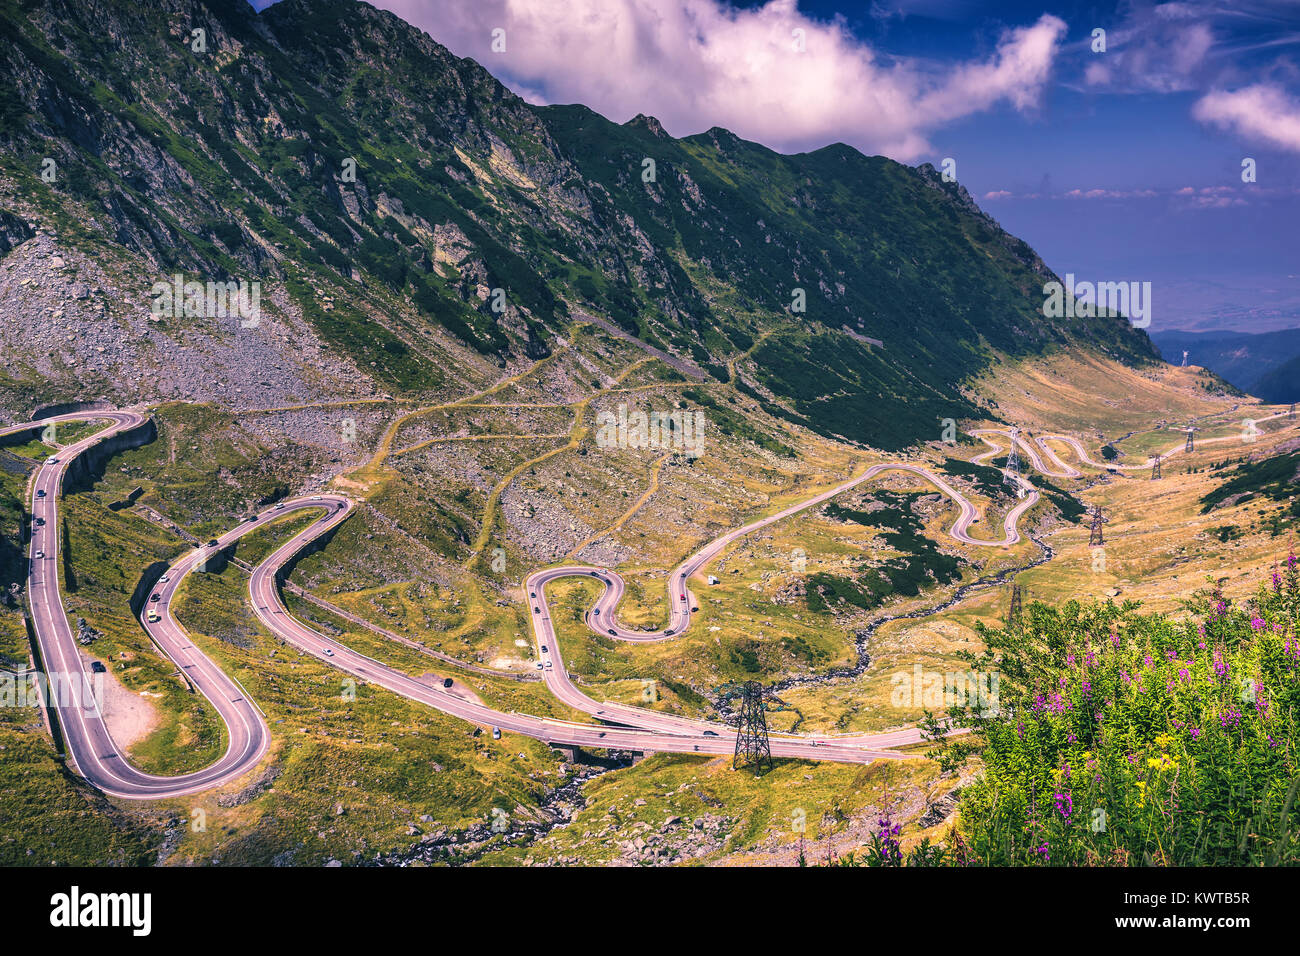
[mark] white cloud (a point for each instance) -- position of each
(1262, 112)
(1155, 50)
(695, 64)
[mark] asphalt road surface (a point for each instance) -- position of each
(89, 746)
(93, 753)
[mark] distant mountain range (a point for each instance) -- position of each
(1265, 364)
(383, 190)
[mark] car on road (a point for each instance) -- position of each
(280, 506)
(315, 497)
(543, 648)
(155, 596)
(538, 665)
(53, 461)
(251, 518)
(496, 733)
(683, 597)
(152, 617)
(612, 631)
(532, 594)
(40, 492)
(709, 733)
(669, 632)
(214, 543)
(164, 579)
(596, 612)
(97, 667)
(38, 554)
(40, 522)
(329, 652)
(446, 682)
(537, 610)
(548, 665)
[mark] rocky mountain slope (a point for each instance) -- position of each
(416, 227)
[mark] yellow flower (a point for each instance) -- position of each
(1163, 762)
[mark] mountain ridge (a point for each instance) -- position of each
(227, 162)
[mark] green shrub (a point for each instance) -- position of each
(1129, 738)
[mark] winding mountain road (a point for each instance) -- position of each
(72, 696)
(94, 754)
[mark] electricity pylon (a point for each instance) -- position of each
(1095, 537)
(753, 749)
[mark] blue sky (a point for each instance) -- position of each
(1119, 165)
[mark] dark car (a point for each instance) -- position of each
(537, 610)
(446, 682)
(709, 733)
(40, 492)
(532, 594)
(612, 631)
(668, 632)
(214, 543)
(98, 667)
(155, 597)
(40, 522)
(694, 609)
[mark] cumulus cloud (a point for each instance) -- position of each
(1262, 112)
(695, 64)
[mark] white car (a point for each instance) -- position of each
(328, 652)
(164, 579)
(38, 554)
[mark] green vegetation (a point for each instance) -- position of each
(919, 565)
(1274, 478)
(736, 423)
(1129, 738)
(988, 480)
